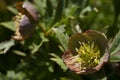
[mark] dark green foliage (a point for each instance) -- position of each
(39, 56)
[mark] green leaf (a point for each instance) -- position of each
(49, 8)
(115, 49)
(115, 45)
(59, 61)
(2, 77)
(19, 53)
(36, 47)
(12, 9)
(115, 57)
(9, 25)
(5, 46)
(41, 5)
(59, 10)
(85, 10)
(11, 75)
(63, 38)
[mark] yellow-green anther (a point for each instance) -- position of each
(89, 55)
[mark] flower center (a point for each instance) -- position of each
(88, 55)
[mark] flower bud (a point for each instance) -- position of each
(26, 8)
(24, 27)
(25, 21)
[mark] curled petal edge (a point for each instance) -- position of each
(69, 60)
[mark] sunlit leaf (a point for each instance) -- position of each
(63, 38)
(11, 74)
(19, 53)
(5, 46)
(59, 61)
(85, 10)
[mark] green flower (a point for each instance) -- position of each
(87, 52)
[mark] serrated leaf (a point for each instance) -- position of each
(9, 25)
(63, 38)
(59, 61)
(5, 46)
(35, 46)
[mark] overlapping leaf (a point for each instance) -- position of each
(115, 48)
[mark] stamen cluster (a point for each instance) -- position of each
(88, 55)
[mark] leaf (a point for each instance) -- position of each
(2, 76)
(59, 10)
(5, 46)
(59, 61)
(11, 74)
(115, 45)
(49, 8)
(63, 38)
(12, 9)
(85, 10)
(36, 47)
(115, 49)
(9, 25)
(40, 4)
(19, 53)
(115, 57)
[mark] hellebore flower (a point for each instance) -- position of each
(26, 8)
(24, 28)
(87, 52)
(25, 21)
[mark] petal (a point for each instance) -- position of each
(68, 58)
(69, 61)
(98, 38)
(91, 36)
(25, 29)
(31, 9)
(74, 40)
(26, 8)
